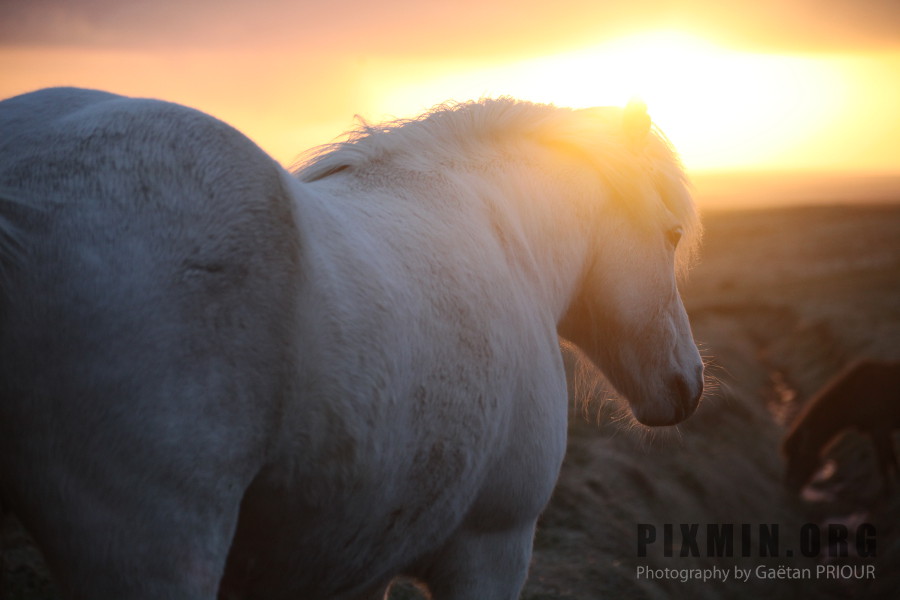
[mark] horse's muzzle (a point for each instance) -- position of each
(683, 399)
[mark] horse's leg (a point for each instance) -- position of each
(4, 524)
(487, 556)
(483, 564)
(139, 546)
(377, 592)
(887, 461)
(129, 505)
(403, 587)
(891, 455)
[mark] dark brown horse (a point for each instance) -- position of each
(866, 397)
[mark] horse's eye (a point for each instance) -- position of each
(674, 235)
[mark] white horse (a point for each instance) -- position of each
(219, 378)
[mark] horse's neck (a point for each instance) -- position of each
(533, 218)
(516, 206)
(836, 409)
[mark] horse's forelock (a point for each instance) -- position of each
(642, 172)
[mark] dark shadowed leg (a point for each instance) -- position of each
(887, 460)
(488, 565)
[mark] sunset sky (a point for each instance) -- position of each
(810, 85)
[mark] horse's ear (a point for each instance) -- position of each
(636, 123)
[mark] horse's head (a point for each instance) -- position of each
(628, 316)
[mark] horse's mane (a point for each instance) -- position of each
(639, 170)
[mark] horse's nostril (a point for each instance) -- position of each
(687, 396)
(681, 387)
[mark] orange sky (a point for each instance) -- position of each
(791, 84)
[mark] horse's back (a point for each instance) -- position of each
(24, 114)
(144, 317)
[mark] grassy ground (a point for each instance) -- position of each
(781, 299)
